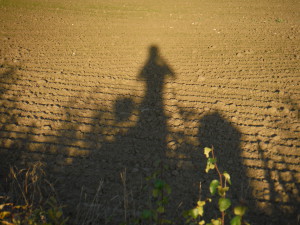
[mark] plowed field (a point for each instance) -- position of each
(96, 88)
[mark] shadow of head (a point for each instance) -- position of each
(123, 109)
(216, 131)
(153, 50)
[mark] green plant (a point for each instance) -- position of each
(220, 187)
(55, 213)
(159, 199)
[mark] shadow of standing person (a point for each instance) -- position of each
(152, 121)
(137, 140)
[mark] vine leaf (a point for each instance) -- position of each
(200, 205)
(207, 151)
(227, 177)
(194, 213)
(202, 222)
(224, 203)
(237, 220)
(160, 209)
(155, 193)
(239, 210)
(215, 222)
(210, 164)
(213, 186)
(159, 184)
(147, 214)
(222, 190)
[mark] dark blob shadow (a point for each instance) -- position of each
(217, 132)
(123, 109)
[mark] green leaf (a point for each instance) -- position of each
(159, 184)
(216, 222)
(227, 177)
(224, 203)
(207, 151)
(194, 213)
(202, 222)
(147, 214)
(211, 160)
(168, 189)
(237, 220)
(199, 207)
(209, 167)
(155, 193)
(160, 209)
(201, 203)
(213, 186)
(165, 200)
(210, 164)
(239, 210)
(222, 190)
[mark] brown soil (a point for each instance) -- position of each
(93, 87)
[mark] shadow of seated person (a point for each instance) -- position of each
(217, 132)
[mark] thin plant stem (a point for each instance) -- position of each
(216, 166)
(221, 182)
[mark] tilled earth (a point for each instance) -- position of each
(95, 89)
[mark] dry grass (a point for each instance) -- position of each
(29, 198)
